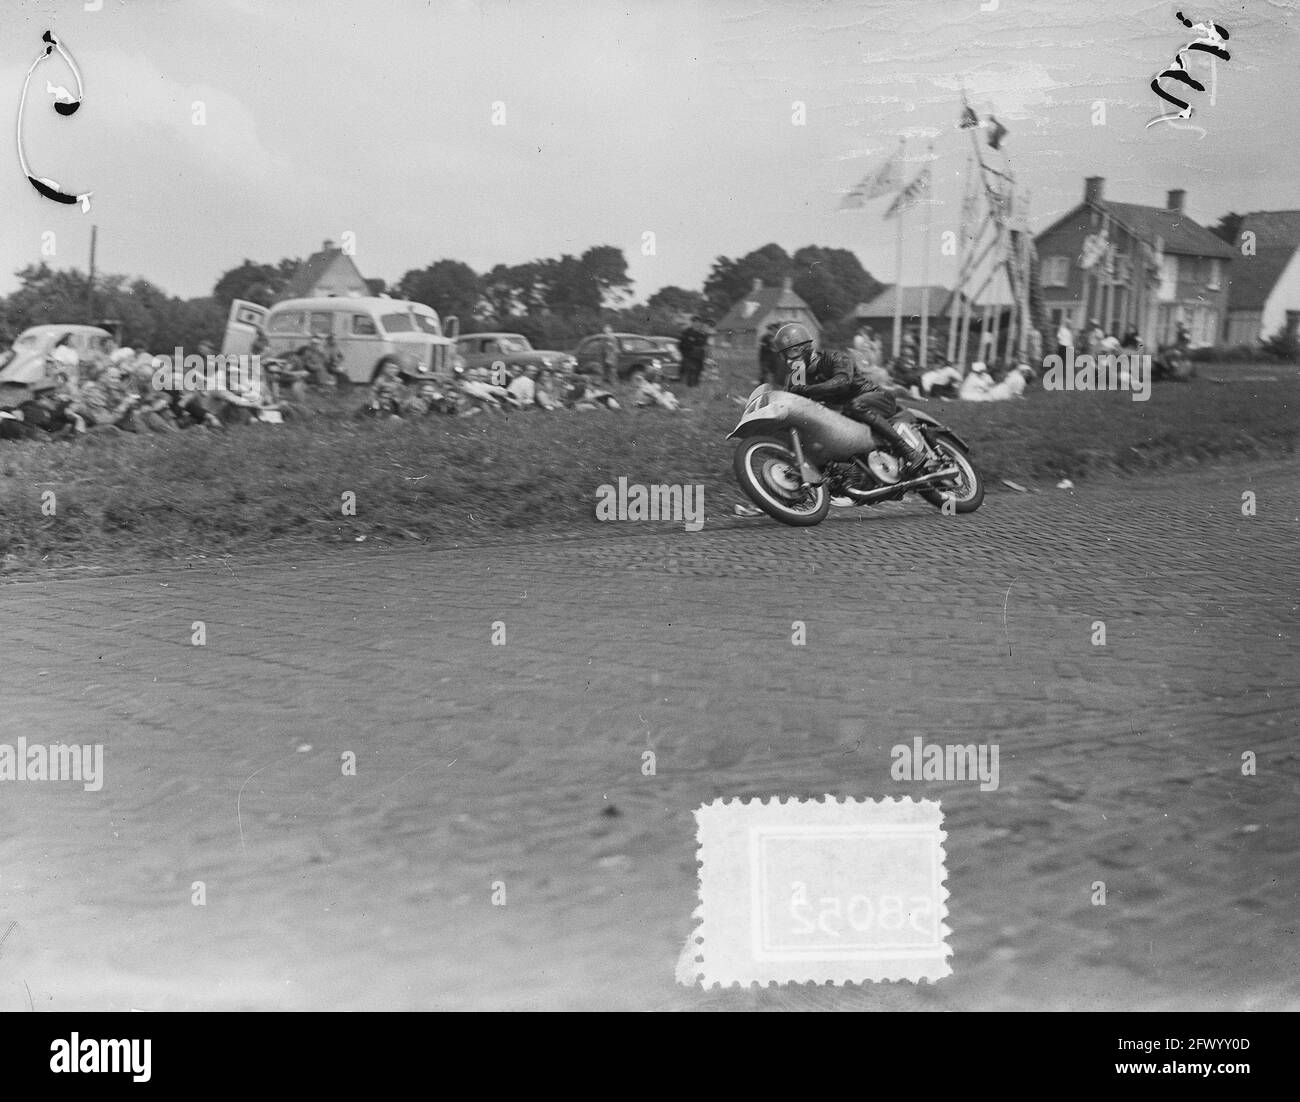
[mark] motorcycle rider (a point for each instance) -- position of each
(831, 378)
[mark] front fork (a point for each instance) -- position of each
(810, 475)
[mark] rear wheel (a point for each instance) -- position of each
(768, 472)
(966, 488)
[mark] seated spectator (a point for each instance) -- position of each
(102, 402)
(388, 391)
(942, 382)
(649, 392)
(906, 371)
(1012, 385)
(976, 385)
(64, 355)
(522, 391)
(547, 390)
(154, 411)
(334, 362)
(426, 399)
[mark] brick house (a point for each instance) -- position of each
(1186, 269)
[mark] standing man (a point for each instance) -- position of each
(692, 343)
(1064, 340)
(609, 355)
(769, 361)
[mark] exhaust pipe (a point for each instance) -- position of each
(866, 496)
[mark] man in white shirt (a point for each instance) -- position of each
(1064, 340)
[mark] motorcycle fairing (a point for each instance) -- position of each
(824, 434)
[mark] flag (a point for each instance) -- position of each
(1094, 245)
(910, 195)
(996, 132)
(886, 179)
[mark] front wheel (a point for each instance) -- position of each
(966, 488)
(768, 472)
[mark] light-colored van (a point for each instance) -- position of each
(367, 331)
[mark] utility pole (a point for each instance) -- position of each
(90, 281)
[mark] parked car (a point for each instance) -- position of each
(28, 361)
(673, 350)
(635, 352)
(367, 332)
(507, 354)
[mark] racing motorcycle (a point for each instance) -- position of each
(795, 455)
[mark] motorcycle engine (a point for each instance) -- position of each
(884, 466)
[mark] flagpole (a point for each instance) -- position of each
(898, 286)
(954, 305)
(925, 263)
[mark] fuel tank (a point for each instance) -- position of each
(824, 434)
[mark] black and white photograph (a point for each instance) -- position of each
(655, 507)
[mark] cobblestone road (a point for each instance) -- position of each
(522, 764)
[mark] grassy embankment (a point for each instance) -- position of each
(133, 500)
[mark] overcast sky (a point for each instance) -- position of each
(670, 116)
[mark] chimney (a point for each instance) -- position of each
(1092, 189)
(787, 284)
(1174, 201)
(758, 285)
(328, 245)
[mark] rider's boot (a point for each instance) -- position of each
(913, 457)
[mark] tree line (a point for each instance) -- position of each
(554, 301)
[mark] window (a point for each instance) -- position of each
(638, 344)
(363, 325)
(514, 344)
(428, 324)
(1056, 271)
(322, 324)
(1169, 279)
(291, 321)
(1216, 275)
(397, 323)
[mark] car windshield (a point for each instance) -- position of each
(514, 344)
(27, 341)
(639, 344)
(428, 324)
(397, 323)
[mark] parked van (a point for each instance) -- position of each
(367, 331)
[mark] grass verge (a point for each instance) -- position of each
(138, 500)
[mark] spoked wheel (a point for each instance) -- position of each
(966, 488)
(768, 472)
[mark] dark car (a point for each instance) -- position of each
(635, 352)
(507, 354)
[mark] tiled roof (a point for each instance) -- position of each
(1251, 279)
(310, 272)
(1180, 234)
(883, 304)
(743, 316)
